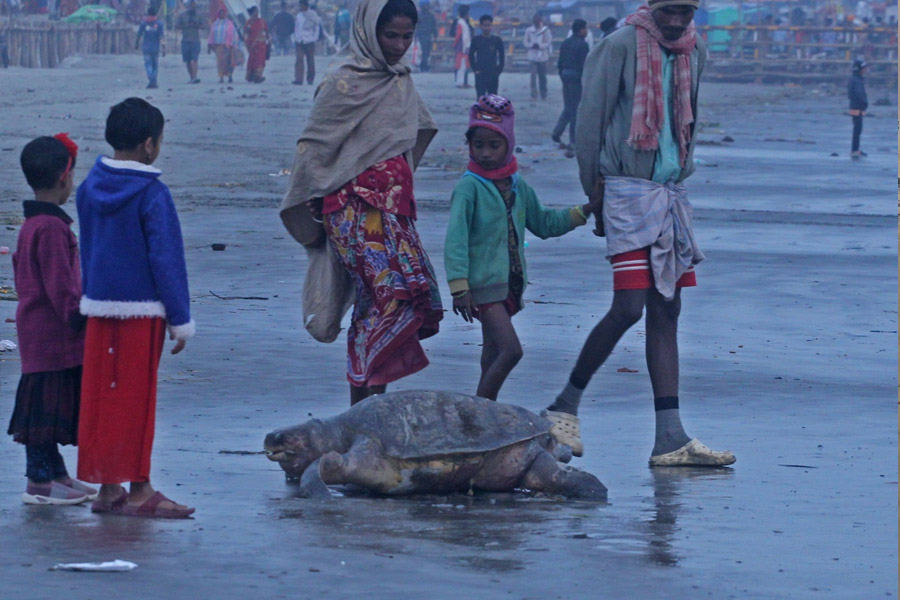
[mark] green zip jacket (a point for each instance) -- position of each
(476, 254)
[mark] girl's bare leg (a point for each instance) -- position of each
(497, 327)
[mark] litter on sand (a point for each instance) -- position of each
(111, 566)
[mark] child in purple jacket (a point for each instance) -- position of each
(50, 328)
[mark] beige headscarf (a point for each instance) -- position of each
(366, 111)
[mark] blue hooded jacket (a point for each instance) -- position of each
(132, 253)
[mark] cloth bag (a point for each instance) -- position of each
(328, 292)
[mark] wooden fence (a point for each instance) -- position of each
(747, 53)
(45, 44)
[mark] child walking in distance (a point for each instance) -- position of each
(484, 251)
(51, 337)
(135, 285)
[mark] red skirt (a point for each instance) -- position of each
(118, 399)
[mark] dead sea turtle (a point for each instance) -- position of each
(429, 442)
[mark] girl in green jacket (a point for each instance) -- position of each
(484, 254)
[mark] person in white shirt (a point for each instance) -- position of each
(307, 26)
(538, 40)
(462, 40)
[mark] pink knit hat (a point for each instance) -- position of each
(496, 113)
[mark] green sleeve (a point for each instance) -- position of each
(456, 244)
(545, 222)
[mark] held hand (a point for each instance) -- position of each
(595, 201)
(179, 345)
(464, 306)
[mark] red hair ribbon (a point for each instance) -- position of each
(72, 149)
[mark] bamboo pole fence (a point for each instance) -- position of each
(44, 44)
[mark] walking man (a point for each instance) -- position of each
(425, 30)
(343, 21)
(487, 58)
(189, 23)
(538, 40)
(282, 26)
(153, 30)
(306, 34)
(635, 138)
(571, 63)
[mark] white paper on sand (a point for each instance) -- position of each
(112, 566)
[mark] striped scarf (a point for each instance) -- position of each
(647, 116)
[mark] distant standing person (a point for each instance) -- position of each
(425, 32)
(189, 22)
(282, 27)
(256, 38)
(487, 58)
(607, 26)
(859, 102)
(538, 40)
(223, 41)
(462, 40)
(343, 21)
(571, 63)
(635, 141)
(153, 31)
(306, 33)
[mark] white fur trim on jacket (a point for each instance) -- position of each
(121, 309)
(183, 332)
(132, 165)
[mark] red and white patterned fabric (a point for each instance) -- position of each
(648, 114)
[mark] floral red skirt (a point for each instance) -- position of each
(397, 296)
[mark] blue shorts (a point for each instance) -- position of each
(190, 51)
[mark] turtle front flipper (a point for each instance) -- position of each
(364, 465)
(548, 476)
(311, 484)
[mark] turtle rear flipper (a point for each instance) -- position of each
(548, 476)
(364, 465)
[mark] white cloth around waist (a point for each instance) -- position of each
(639, 213)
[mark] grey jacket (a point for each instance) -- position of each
(604, 115)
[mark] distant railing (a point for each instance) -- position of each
(743, 53)
(44, 44)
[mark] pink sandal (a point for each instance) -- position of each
(115, 506)
(151, 509)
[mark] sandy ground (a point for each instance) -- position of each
(788, 351)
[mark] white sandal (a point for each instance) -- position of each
(565, 430)
(693, 454)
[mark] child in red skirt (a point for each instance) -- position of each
(484, 253)
(51, 332)
(135, 286)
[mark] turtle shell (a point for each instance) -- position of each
(421, 424)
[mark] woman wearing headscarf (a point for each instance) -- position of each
(222, 40)
(366, 133)
(256, 38)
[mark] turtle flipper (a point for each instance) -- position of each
(311, 484)
(548, 476)
(364, 465)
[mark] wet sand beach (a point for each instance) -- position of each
(788, 358)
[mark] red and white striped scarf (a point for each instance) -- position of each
(647, 116)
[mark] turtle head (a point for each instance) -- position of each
(295, 448)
